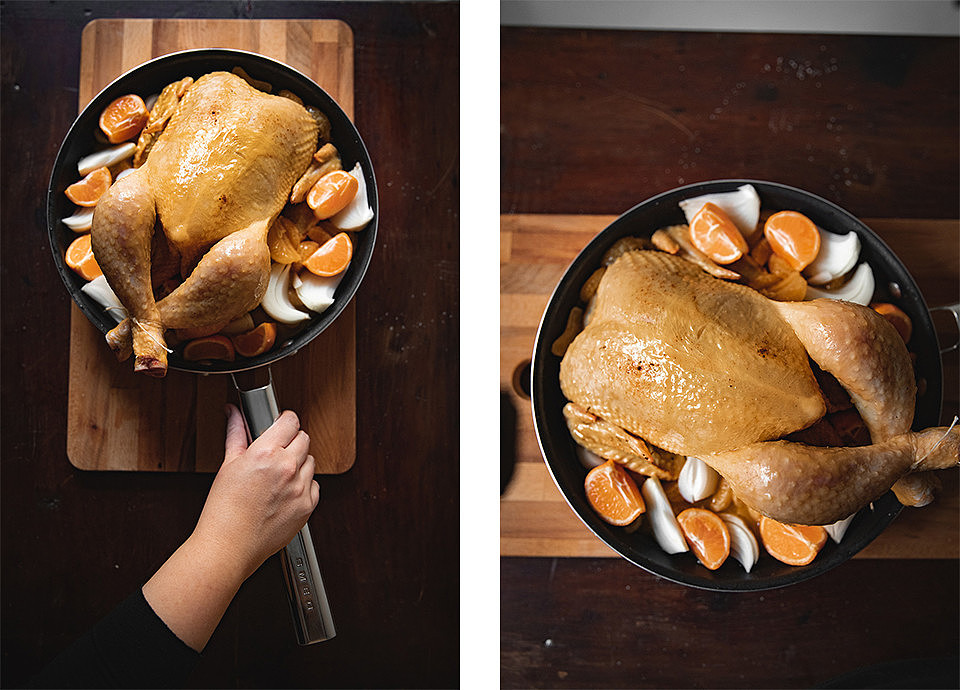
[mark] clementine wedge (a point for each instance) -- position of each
(613, 494)
(123, 119)
(255, 342)
(332, 193)
(211, 347)
(792, 544)
(896, 316)
(305, 249)
(714, 234)
(707, 534)
(79, 257)
(794, 237)
(332, 258)
(87, 192)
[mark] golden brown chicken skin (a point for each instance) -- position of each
(213, 183)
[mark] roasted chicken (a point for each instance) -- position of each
(213, 183)
(703, 367)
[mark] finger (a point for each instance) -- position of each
(305, 479)
(236, 441)
(311, 488)
(307, 469)
(299, 446)
(282, 431)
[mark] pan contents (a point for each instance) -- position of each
(738, 371)
(215, 219)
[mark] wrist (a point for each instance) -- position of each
(221, 563)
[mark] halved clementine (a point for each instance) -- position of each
(613, 494)
(792, 544)
(333, 256)
(211, 347)
(79, 257)
(87, 192)
(255, 342)
(123, 119)
(332, 193)
(714, 234)
(794, 237)
(707, 534)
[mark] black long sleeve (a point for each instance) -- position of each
(129, 648)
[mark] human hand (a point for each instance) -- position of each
(262, 495)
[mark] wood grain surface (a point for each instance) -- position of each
(177, 424)
(76, 543)
(595, 121)
(535, 249)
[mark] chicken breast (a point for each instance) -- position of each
(690, 363)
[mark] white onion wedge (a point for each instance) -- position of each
(666, 529)
(858, 289)
(276, 302)
(99, 290)
(743, 545)
(80, 221)
(358, 212)
(106, 157)
(697, 480)
(839, 528)
(837, 256)
(742, 205)
(123, 173)
(588, 458)
(315, 292)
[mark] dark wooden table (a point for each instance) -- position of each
(76, 543)
(594, 122)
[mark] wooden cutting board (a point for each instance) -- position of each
(119, 421)
(534, 518)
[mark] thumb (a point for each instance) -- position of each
(236, 441)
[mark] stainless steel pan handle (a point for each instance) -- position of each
(953, 309)
(301, 572)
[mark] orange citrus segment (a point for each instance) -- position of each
(79, 257)
(210, 347)
(792, 544)
(332, 257)
(256, 342)
(794, 237)
(707, 535)
(123, 119)
(87, 192)
(306, 248)
(283, 238)
(613, 494)
(714, 234)
(896, 316)
(332, 193)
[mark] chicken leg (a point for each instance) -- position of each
(121, 238)
(867, 356)
(800, 484)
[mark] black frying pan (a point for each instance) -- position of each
(307, 598)
(894, 284)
